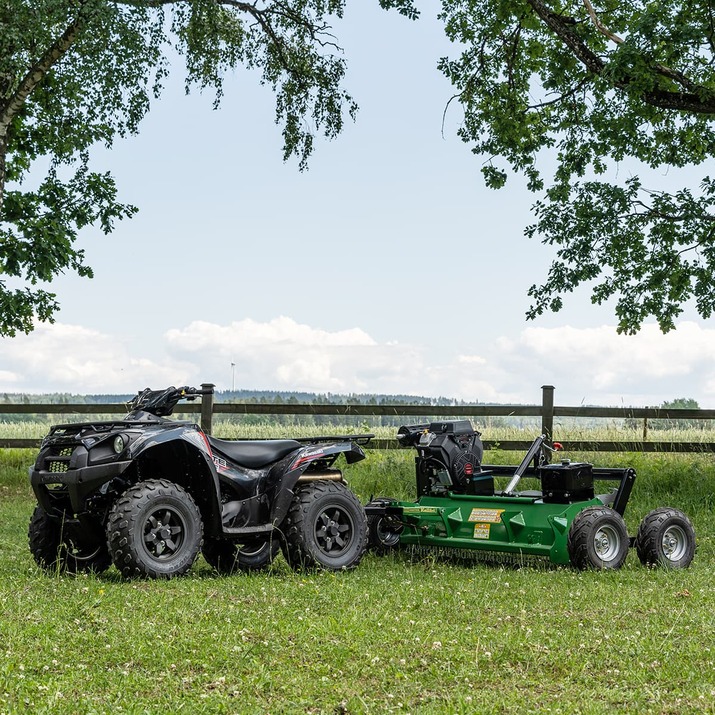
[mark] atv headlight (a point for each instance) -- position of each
(119, 444)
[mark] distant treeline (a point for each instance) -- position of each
(278, 397)
(281, 397)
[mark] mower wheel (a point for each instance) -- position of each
(666, 538)
(228, 557)
(55, 547)
(154, 530)
(325, 527)
(383, 532)
(383, 535)
(598, 539)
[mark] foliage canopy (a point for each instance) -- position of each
(598, 85)
(602, 88)
(77, 72)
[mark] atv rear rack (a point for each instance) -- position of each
(360, 439)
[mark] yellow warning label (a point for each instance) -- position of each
(420, 510)
(486, 516)
(481, 531)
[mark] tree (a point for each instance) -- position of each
(679, 403)
(74, 73)
(600, 86)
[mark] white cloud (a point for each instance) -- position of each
(71, 358)
(284, 354)
(593, 365)
(607, 368)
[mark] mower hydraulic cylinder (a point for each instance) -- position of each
(533, 451)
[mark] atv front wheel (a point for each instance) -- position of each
(598, 539)
(56, 547)
(325, 527)
(666, 538)
(155, 530)
(227, 557)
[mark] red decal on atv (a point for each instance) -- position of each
(307, 457)
(219, 463)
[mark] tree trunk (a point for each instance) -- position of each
(36, 73)
(3, 152)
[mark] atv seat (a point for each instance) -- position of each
(254, 455)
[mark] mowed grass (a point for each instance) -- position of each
(398, 634)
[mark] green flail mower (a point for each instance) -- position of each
(566, 520)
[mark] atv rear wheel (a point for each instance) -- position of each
(325, 527)
(155, 530)
(598, 539)
(227, 557)
(55, 548)
(666, 538)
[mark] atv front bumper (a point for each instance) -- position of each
(78, 484)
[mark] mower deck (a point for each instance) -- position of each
(569, 520)
(520, 524)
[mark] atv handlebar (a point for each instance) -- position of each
(162, 402)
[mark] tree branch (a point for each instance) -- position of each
(15, 102)
(561, 97)
(599, 25)
(700, 101)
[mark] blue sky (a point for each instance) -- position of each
(387, 267)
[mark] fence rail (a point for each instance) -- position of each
(547, 411)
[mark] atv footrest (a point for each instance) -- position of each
(248, 530)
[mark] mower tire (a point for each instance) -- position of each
(598, 539)
(666, 538)
(383, 533)
(325, 527)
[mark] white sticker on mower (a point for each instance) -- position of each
(481, 531)
(486, 516)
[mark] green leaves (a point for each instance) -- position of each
(652, 252)
(38, 234)
(600, 84)
(74, 73)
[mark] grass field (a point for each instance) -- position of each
(395, 635)
(568, 429)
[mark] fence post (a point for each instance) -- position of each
(645, 429)
(207, 406)
(547, 412)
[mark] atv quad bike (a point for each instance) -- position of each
(458, 507)
(148, 493)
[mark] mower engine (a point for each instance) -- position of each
(449, 458)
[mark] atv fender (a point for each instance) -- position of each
(194, 469)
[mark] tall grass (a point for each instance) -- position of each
(568, 430)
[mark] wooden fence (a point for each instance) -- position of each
(547, 411)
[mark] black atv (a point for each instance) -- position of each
(148, 493)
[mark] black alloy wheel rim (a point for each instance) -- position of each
(386, 535)
(333, 530)
(164, 533)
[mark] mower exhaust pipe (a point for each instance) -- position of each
(533, 451)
